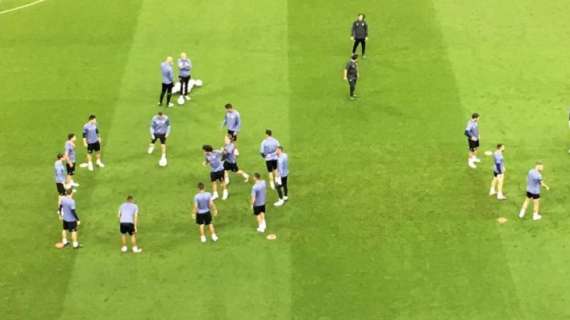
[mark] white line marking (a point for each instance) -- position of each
(22, 7)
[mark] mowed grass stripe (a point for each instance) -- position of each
(395, 228)
(241, 276)
(523, 92)
(43, 55)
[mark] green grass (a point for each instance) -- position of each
(385, 219)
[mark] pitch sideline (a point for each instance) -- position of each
(22, 7)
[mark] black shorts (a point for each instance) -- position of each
(473, 145)
(70, 169)
(60, 189)
(258, 209)
(161, 137)
(496, 174)
(217, 176)
(94, 147)
(184, 79)
(127, 228)
(204, 218)
(271, 165)
(533, 195)
(233, 167)
(233, 134)
(167, 87)
(70, 225)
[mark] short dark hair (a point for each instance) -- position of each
(268, 132)
(69, 191)
(59, 156)
(257, 175)
(539, 163)
(228, 106)
(475, 115)
(200, 186)
(354, 56)
(499, 145)
(207, 148)
(361, 14)
(160, 113)
(70, 136)
(130, 198)
(280, 148)
(92, 116)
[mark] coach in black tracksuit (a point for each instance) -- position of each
(359, 34)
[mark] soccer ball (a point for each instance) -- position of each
(162, 162)
(181, 100)
(198, 83)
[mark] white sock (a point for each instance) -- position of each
(75, 244)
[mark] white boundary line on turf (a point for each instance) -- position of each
(21, 7)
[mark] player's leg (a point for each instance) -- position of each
(89, 158)
(354, 46)
(524, 207)
(64, 237)
(493, 189)
(162, 93)
(202, 233)
(97, 147)
(225, 192)
(151, 145)
(227, 176)
(285, 188)
(163, 145)
(123, 241)
(169, 95)
(244, 175)
(536, 209)
(134, 245)
(363, 44)
(214, 189)
(74, 238)
(500, 180)
(186, 88)
(213, 232)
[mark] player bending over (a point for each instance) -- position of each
(258, 196)
(159, 130)
(128, 223)
(230, 153)
(534, 182)
(214, 159)
(70, 219)
(472, 133)
(202, 212)
(268, 151)
(498, 173)
(282, 173)
(92, 141)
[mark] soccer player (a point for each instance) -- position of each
(201, 211)
(70, 219)
(167, 82)
(268, 150)
(351, 75)
(283, 172)
(472, 133)
(359, 34)
(498, 173)
(534, 182)
(159, 130)
(69, 157)
(185, 66)
(60, 173)
(230, 153)
(258, 196)
(92, 140)
(128, 222)
(232, 120)
(214, 159)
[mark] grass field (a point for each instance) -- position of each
(385, 221)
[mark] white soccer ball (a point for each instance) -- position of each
(181, 100)
(198, 83)
(162, 162)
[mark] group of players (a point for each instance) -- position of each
(534, 178)
(222, 162)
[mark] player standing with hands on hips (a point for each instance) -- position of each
(359, 34)
(534, 182)
(351, 74)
